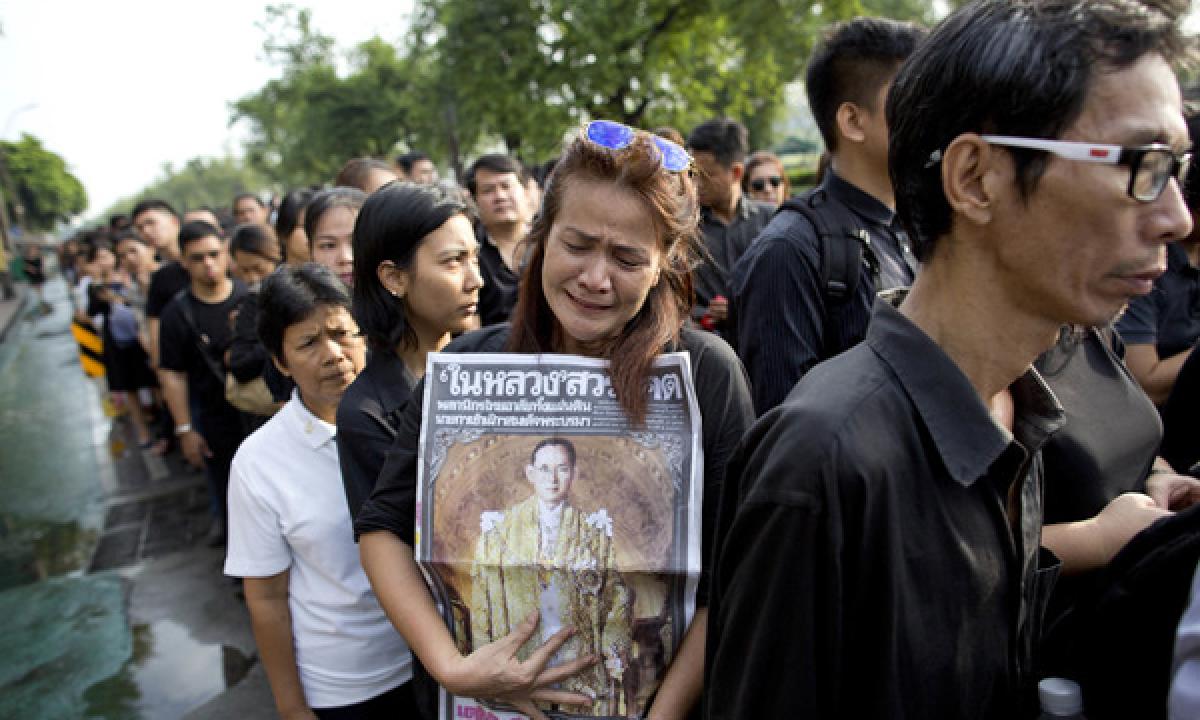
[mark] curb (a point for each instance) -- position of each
(22, 301)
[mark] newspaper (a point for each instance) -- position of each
(535, 494)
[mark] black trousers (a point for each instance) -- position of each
(395, 704)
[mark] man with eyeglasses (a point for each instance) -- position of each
(899, 487)
(729, 221)
(803, 291)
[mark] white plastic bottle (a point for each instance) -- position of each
(1061, 699)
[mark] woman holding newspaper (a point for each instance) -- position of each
(608, 277)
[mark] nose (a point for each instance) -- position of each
(473, 280)
(346, 256)
(331, 351)
(1173, 219)
(594, 276)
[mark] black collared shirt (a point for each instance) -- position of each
(725, 244)
(882, 558)
(499, 292)
(784, 323)
(366, 423)
(1169, 317)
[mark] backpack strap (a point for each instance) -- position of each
(183, 297)
(843, 242)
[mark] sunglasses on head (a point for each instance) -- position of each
(760, 184)
(615, 136)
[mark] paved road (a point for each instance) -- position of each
(110, 604)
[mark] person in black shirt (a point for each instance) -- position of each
(195, 333)
(729, 221)
(158, 224)
(494, 182)
(884, 543)
(608, 277)
(416, 282)
(786, 318)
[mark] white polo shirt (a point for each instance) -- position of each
(287, 510)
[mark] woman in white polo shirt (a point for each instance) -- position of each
(327, 646)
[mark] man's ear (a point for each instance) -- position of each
(393, 279)
(737, 170)
(849, 120)
(280, 366)
(972, 172)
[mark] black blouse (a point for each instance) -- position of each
(367, 422)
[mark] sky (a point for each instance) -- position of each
(118, 88)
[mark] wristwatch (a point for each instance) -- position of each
(183, 429)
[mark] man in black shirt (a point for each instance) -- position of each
(196, 331)
(494, 182)
(881, 528)
(787, 321)
(158, 224)
(729, 221)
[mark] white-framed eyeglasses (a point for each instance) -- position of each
(1150, 166)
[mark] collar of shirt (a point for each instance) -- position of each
(860, 202)
(740, 212)
(303, 424)
(964, 431)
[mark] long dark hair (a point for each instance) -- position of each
(671, 200)
(390, 226)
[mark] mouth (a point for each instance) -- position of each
(588, 306)
(469, 309)
(1141, 283)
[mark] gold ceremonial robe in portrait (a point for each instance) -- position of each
(574, 577)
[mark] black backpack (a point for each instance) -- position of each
(843, 242)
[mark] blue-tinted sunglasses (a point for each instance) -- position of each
(615, 136)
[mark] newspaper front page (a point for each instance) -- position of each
(536, 494)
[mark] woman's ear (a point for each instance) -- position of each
(971, 172)
(393, 279)
(280, 366)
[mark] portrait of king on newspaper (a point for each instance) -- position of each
(590, 524)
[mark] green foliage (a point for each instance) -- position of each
(201, 181)
(305, 124)
(39, 190)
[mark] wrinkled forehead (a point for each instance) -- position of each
(1135, 105)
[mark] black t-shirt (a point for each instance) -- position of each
(499, 292)
(722, 394)
(1111, 435)
(165, 284)
(179, 347)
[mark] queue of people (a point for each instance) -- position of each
(936, 464)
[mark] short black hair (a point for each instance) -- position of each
(851, 64)
(326, 200)
(494, 163)
(255, 239)
(196, 230)
(252, 196)
(95, 246)
(121, 236)
(355, 172)
(555, 441)
(290, 295)
(726, 138)
(1026, 68)
(290, 208)
(391, 225)
(153, 204)
(408, 159)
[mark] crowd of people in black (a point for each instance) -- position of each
(948, 395)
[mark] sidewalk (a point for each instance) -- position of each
(11, 309)
(111, 604)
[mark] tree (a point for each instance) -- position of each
(211, 182)
(39, 191)
(527, 71)
(309, 121)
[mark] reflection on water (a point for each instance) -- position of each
(33, 550)
(168, 674)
